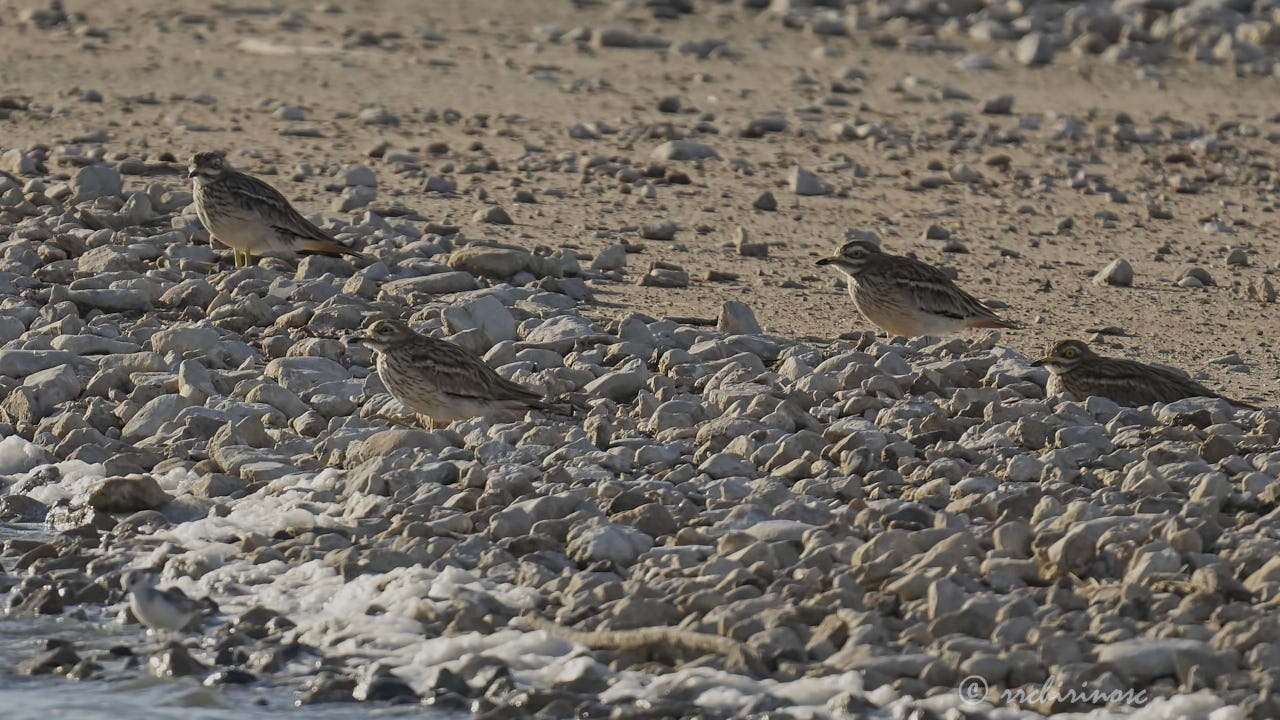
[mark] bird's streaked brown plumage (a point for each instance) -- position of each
(251, 217)
(445, 382)
(908, 297)
(1080, 372)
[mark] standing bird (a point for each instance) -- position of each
(1080, 372)
(443, 381)
(168, 610)
(251, 217)
(907, 297)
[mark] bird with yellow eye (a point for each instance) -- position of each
(1078, 371)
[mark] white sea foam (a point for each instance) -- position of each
(18, 455)
(177, 481)
(76, 477)
(373, 618)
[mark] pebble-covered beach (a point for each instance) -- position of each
(768, 509)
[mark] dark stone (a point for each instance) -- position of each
(131, 462)
(218, 485)
(537, 701)
(22, 509)
(447, 681)
(18, 546)
(39, 552)
(447, 700)
(626, 500)
(652, 519)
(128, 494)
(575, 288)
(57, 660)
(44, 601)
(553, 559)
(143, 521)
(63, 518)
(231, 656)
(255, 622)
(385, 688)
(558, 708)
(327, 687)
(84, 670)
(230, 676)
(910, 517)
(93, 594)
(492, 711)
(175, 661)
(273, 658)
(88, 536)
(532, 543)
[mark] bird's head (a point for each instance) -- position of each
(208, 165)
(853, 256)
(383, 335)
(1064, 355)
(135, 580)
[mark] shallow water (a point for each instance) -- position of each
(140, 695)
(47, 698)
(40, 699)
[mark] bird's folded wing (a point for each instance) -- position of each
(939, 296)
(179, 600)
(457, 372)
(1186, 387)
(1144, 383)
(251, 195)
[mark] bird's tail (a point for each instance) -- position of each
(994, 323)
(326, 247)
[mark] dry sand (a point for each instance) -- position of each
(485, 58)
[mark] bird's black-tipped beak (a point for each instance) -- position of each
(826, 261)
(1039, 363)
(192, 173)
(357, 339)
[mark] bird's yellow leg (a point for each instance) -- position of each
(236, 255)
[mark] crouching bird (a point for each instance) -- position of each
(445, 382)
(1080, 372)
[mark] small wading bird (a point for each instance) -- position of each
(161, 610)
(444, 382)
(907, 297)
(1080, 372)
(251, 217)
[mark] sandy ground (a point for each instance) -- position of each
(485, 58)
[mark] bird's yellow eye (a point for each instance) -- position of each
(1070, 353)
